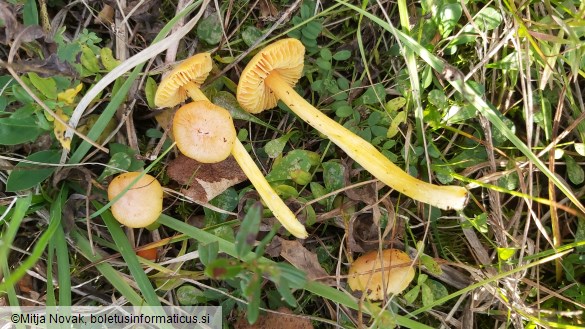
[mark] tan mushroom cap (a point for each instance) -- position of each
(285, 56)
(204, 131)
(191, 73)
(366, 274)
(141, 205)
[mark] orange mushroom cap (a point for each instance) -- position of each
(141, 205)
(191, 73)
(368, 274)
(285, 56)
(204, 131)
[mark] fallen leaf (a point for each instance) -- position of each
(68, 96)
(9, 20)
(300, 257)
(275, 320)
(105, 16)
(204, 181)
(60, 129)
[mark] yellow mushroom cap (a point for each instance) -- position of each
(204, 131)
(141, 205)
(286, 57)
(365, 273)
(194, 70)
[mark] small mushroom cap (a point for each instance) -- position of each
(172, 91)
(286, 57)
(141, 205)
(365, 273)
(204, 131)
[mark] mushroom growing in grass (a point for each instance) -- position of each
(204, 131)
(269, 77)
(141, 204)
(184, 81)
(378, 275)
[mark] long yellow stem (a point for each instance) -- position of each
(280, 210)
(444, 197)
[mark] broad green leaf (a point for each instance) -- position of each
(135, 165)
(250, 35)
(119, 162)
(505, 253)
(30, 14)
(109, 62)
(274, 147)
(318, 191)
(228, 200)
(580, 148)
(439, 291)
(373, 95)
(296, 159)
(411, 295)
(18, 131)
(342, 55)
(46, 86)
(208, 252)
(333, 175)
(249, 228)
(26, 175)
(427, 295)
(488, 19)
(574, 170)
(89, 60)
(431, 264)
(449, 15)
(301, 177)
(189, 295)
(326, 54)
(398, 119)
(149, 91)
(437, 98)
(209, 29)
(395, 104)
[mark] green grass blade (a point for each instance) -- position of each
(111, 274)
(473, 98)
(314, 287)
(59, 245)
(35, 255)
(130, 257)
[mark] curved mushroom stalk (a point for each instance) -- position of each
(269, 77)
(205, 132)
(279, 209)
(444, 197)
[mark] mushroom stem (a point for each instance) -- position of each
(444, 197)
(279, 209)
(194, 92)
(284, 215)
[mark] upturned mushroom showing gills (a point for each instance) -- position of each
(378, 274)
(204, 131)
(141, 204)
(184, 81)
(269, 77)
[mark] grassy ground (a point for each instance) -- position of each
(485, 95)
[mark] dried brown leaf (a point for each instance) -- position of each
(275, 320)
(300, 257)
(204, 181)
(268, 11)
